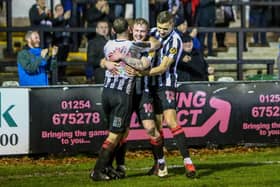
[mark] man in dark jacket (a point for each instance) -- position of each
(206, 16)
(40, 16)
(192, 65)
(33, 62)
(95, 53)
(62, 39)
(100, 10)
(259, 19)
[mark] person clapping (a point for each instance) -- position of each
(35, 62)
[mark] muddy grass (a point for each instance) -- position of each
(60, 159)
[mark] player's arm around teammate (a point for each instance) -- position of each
(164, 71)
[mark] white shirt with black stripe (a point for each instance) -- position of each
(172, 47)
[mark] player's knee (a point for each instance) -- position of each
(171, 123)
(114, 138)
(151, 131)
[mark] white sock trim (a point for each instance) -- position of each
(187, 160)
(161, 161)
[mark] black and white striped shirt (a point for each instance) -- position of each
(121, 81)
(172, 47)
(142, 83)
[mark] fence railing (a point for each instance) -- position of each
(240, 33)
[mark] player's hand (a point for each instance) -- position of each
(116, 56)
(112, 67)
(131, 71)
(143, 73)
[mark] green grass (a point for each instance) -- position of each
(234, 167)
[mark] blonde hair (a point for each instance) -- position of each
(141, 21)
(28, 34)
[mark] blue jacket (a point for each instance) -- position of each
(32, 68)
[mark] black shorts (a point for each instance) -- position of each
(143, 106)
(164, 98)
(117, 106)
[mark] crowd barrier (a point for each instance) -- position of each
(240, 32)
(70, 120)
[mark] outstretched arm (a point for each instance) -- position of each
(151, 44)
(155, 44)
(138, 64)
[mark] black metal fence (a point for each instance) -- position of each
(240, 33)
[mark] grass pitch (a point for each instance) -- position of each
(226, 167)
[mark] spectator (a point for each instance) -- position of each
(258, 19)
(152, 12)
(95, 53)
(182, 27)
(62, 39)
(67, 5)
(156, 6)
(275, 17)
(98, 11)
(119, 8)
(225, 13)
(206, 18)
(175, 7)
(40, 16)
(34, 62)
(190, 7)
(77, 17)
(192, 66)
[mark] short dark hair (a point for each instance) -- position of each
(120, 25)
(102, 21)
(186, 38)
(58, 5)
(164, 17)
